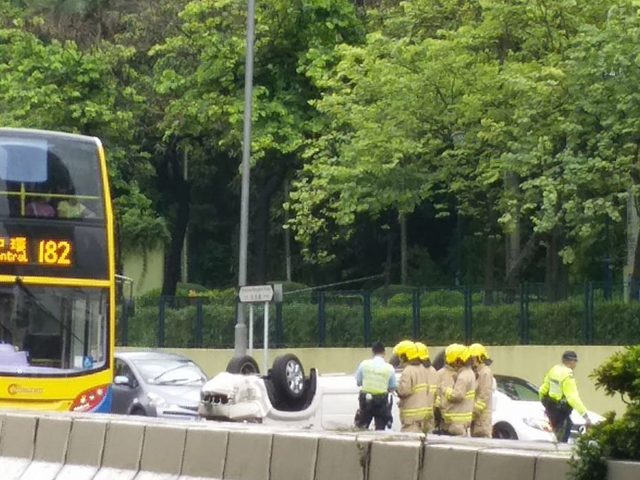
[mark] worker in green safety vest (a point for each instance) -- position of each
(559, 396)
(377, 379)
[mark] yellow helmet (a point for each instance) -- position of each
(423, 351)
(455, 352)
(406, 348)
(478, 350)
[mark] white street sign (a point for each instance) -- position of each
(256, 294)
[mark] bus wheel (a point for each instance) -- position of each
(138, 412)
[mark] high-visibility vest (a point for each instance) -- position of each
(559, 384)
(557, 375)
(375, 377)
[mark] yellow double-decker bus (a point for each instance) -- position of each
(57, 297)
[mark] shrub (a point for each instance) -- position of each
(614, 439)
(442, 320)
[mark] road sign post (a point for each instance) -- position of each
(260, 294)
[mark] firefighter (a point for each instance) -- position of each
(559, 396)
(481, 424)
(412, 388)
(457, 391)
(377, 378)
(432, 386)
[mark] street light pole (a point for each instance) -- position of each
(241, 325)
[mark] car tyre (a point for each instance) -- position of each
(504, 431)
(245, 365)
(138, 412)
(287, 374)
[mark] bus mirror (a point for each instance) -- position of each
(122, 380)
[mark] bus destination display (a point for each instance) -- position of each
(26, 251)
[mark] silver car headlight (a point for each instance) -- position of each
(538, 424)
(156, 400)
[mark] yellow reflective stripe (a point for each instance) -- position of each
(433, 388)
(471, 394)
(458, 417)
(413, 412)
(448, 393)
(480, 406)
(420, 387)
(429, 411)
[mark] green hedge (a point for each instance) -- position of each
(614, 322)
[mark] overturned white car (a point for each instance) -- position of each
(285, 396)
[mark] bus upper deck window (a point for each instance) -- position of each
(23, 162)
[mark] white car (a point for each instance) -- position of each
(329, 402)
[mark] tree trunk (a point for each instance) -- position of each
(489, 266)
(555, 273)
(523, 259)
(635, 273)
(387, 268)
(512, 243)
(403, 248)
(287, 235)
(173, 175)
(262, 224)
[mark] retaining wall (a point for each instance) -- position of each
(529, 362)
(83, 447)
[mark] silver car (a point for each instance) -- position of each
(156, 385)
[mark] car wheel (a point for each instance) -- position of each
(139, 412)
(245, 365)
(288, 376)
(504, 431)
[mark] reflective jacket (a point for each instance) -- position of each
(457, 391)
(559, 385)
(433, 379)
(376, 376)
(484, 389)
(412, 389)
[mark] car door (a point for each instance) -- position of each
(124, 395)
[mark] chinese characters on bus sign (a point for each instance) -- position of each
(17, 251)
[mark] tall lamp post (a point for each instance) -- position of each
(241, 325)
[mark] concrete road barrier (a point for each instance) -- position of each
(293, 457)
(51, 442)
(122, 450)
(46, 446)
(17, 442)
(205, 454)
(84, 450)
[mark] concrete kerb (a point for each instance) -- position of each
(50, 449)
(122, 451)
(205, 454)
(17, 441)
(294, 456)
(84, 452)
(248, 455)
(550, 465)
(339, 457)
(502, 464)
(162, 452)
(397, 459)
(619, 470)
